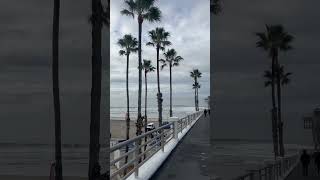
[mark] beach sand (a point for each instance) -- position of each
(118, 128)
(17, 177)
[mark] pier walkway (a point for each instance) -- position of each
(189, 159)
(296, 174)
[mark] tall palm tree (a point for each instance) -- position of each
(275, 39)
(147, 67)
(215, 6)
(159, 39)
(128, 45)
(98, 18)
(284, 80)
(171, 60)
(55, 86)
(196, 74)
(196, 86)
(144, 10)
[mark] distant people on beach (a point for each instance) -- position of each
(317, 161)
(305, 161)
(205, 112)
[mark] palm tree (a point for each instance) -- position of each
(128, 45)
(159, 39)
(284, 79)
(275, 39)
(98, 18)
(196, 74)
(144, 10)
(172, 60)
(196, 86)
(215, 6)
(147, 66)
(55, 88)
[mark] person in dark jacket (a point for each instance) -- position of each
(205, 112)
(305, 161)
(317, 161)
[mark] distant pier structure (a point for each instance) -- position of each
(313, 123)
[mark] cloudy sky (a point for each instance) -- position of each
(26, 107)
(189, 26)
(242, 103)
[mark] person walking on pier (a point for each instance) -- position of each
(205, 112)
(305, 161)
(317, 161)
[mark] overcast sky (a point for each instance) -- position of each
(189, 26)
(242, 103)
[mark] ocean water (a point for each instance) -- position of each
(35, 159)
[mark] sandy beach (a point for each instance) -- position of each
(17, 177)
(118, 128)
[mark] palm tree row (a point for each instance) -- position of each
(274, 40)
(146, 10)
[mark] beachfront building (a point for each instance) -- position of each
(313, 123)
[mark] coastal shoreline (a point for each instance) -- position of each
(118, 128)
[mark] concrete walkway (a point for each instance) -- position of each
(296, 174)
(189, 159)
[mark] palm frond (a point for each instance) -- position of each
(153, 14)
(150, 44)
(127, 13)
(163, 65)
(122, 52)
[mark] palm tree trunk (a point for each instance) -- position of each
(55, 88)
(139, 120)
(280, 123)
(274, 108)
(94, 167)
(170, 90)
(128, 108)
(159, 95)
(145, 111)
(139, 123)
(195, 98)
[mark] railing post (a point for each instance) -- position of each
(136, 158)
(175, 129)
(175, 126)
(162, 140)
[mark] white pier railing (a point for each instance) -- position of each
(274, 170)
(144, 146)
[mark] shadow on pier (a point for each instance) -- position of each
(189, 159)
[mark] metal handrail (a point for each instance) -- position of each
(129, 141)
(273, 171)
(138, 155)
